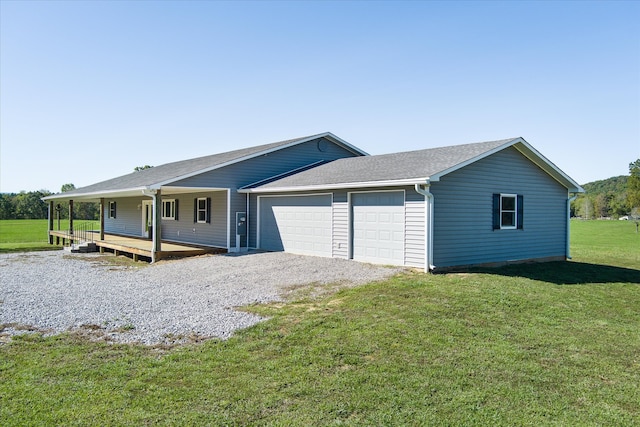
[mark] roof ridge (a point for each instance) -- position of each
(252, 148)
(457, 146)
(169, 172)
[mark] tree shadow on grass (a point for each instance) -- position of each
(568, 273)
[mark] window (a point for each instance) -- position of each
(202, 210)
(170, 209)
(112, 210)
(508, 212)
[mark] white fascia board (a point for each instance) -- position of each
(329, 135)
(341, 141)
(128, 192)
(548, 166)
(343, 185)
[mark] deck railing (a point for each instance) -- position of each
(82, 232)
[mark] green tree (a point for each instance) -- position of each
(141, 168)
(585, 207)
(633, 185)
(619, 206)
(30, 205)
(7, 206)
(81, 210)
(67, 187)
(63, 211)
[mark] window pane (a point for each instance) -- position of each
(202, 204)
(508, 203)
(508, 219)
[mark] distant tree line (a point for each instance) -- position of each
(610, 198)
(29, 205)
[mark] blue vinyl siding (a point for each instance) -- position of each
(414, 240)
(252, 225)
(463, 232)
(340, 226)
(186, 231)
(128, 220)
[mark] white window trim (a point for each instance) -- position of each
(198, 210)
(515, 212)
(112, 209)
(173, 209)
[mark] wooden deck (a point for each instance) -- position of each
(138, 246)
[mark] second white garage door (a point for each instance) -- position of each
(378, 227)
(296, 224)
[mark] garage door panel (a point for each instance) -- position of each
(378, 227)
(300, 224)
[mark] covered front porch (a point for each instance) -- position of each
(136, 247)
(146, 223)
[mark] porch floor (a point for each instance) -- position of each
(139, 246)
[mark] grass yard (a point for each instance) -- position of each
(30, 234)
(545, 344)
(606, 242)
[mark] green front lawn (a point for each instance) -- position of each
(19, 235)
(542, 344)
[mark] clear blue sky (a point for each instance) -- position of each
(89, 90)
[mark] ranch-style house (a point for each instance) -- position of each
(484, 203)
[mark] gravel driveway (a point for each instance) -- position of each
(159, 303)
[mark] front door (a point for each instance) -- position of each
(147, 217)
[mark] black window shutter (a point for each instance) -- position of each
(175, 212)
(208, 210)
(496, 211)
(520, 209)
(195, 210)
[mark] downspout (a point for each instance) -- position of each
(229, 220)
(568, 246)
(428, 226)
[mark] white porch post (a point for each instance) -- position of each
(157, 224)
(101, 218)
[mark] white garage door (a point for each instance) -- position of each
(296, 224)
(378, 227)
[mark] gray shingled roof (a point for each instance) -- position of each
(175, 170)
(407, 165)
